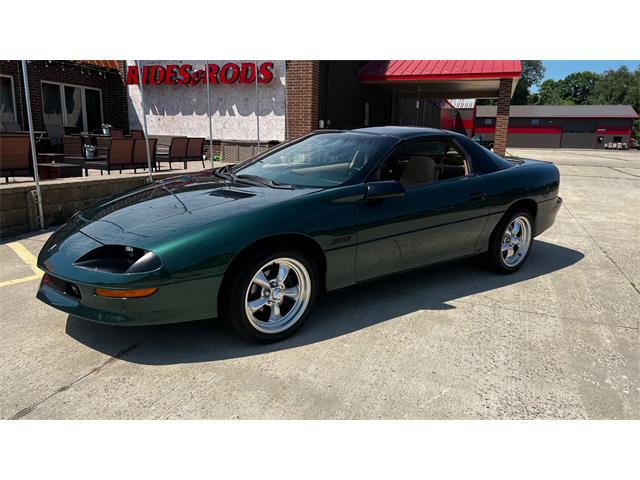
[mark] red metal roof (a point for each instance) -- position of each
(426, 70)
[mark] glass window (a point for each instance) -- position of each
(94, 109)
(322, 160)
(420, 163)
(535, 121)
(73, 105)
(51, 103)
(488, 121)
(7, 104)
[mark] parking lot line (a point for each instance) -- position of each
(27, 257)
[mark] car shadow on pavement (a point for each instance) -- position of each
(335, 314)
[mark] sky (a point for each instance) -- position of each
(557, 69)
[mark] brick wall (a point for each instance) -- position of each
(303, 78)
(502, 116)
(111, 82)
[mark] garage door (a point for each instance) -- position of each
(579, 135)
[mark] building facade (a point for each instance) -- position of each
(270, 101)
(561, 126)
(78, 95)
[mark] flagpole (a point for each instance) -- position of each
(206, 68)
(255, 67)
(144, 119)
(34, 153)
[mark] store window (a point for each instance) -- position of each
(535, 121)
(488, 121)
(7, 99)
(75, 107)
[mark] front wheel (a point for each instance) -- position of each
(511, 242)
(270, 294)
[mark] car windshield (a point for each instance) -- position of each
(322, 160)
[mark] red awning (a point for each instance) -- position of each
(434, 70)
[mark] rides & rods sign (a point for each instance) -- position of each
(227, 74)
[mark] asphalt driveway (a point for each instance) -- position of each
(559, 339)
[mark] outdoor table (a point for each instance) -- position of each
(50, 157)
(51, 171)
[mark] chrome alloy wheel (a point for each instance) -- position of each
(278, 295)
(516, 241)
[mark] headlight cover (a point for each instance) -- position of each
(119, 259)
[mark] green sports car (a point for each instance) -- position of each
(257, 243)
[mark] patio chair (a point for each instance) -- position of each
(195, 150)
(72, 146)
(140, 153)
(119, 157)
(178, 150)
(137, 134)
(14, 156)
(102, 146)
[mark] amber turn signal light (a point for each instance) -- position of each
(137, 293)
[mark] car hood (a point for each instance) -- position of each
(149, 215)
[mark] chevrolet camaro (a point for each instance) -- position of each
(256, 243)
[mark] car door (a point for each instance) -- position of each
(439, 218)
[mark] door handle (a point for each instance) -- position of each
(475, 196)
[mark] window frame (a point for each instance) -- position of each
(467, 158)
(13, 91)
(63, 101)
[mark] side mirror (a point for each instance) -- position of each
(382, 190)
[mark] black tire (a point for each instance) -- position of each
(233, 293)
(494, 256)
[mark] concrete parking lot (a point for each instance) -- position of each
(558, 339)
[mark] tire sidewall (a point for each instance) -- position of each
(233, 299)
(495, 252)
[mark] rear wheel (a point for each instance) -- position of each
(270, 294)
(511, 242)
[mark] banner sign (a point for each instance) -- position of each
(226, 74)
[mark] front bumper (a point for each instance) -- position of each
(179, 302)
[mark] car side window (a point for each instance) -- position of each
(419, 163)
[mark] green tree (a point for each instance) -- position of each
(617, 87)
(551, 92)
(577, 87)
(532, 74)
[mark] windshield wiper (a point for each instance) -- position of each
(263, 181)
(223, 172)
(226, 174)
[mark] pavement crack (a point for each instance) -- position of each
(112, 359)
(635, 287)
(622, 171)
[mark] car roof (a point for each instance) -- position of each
(402, 132)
